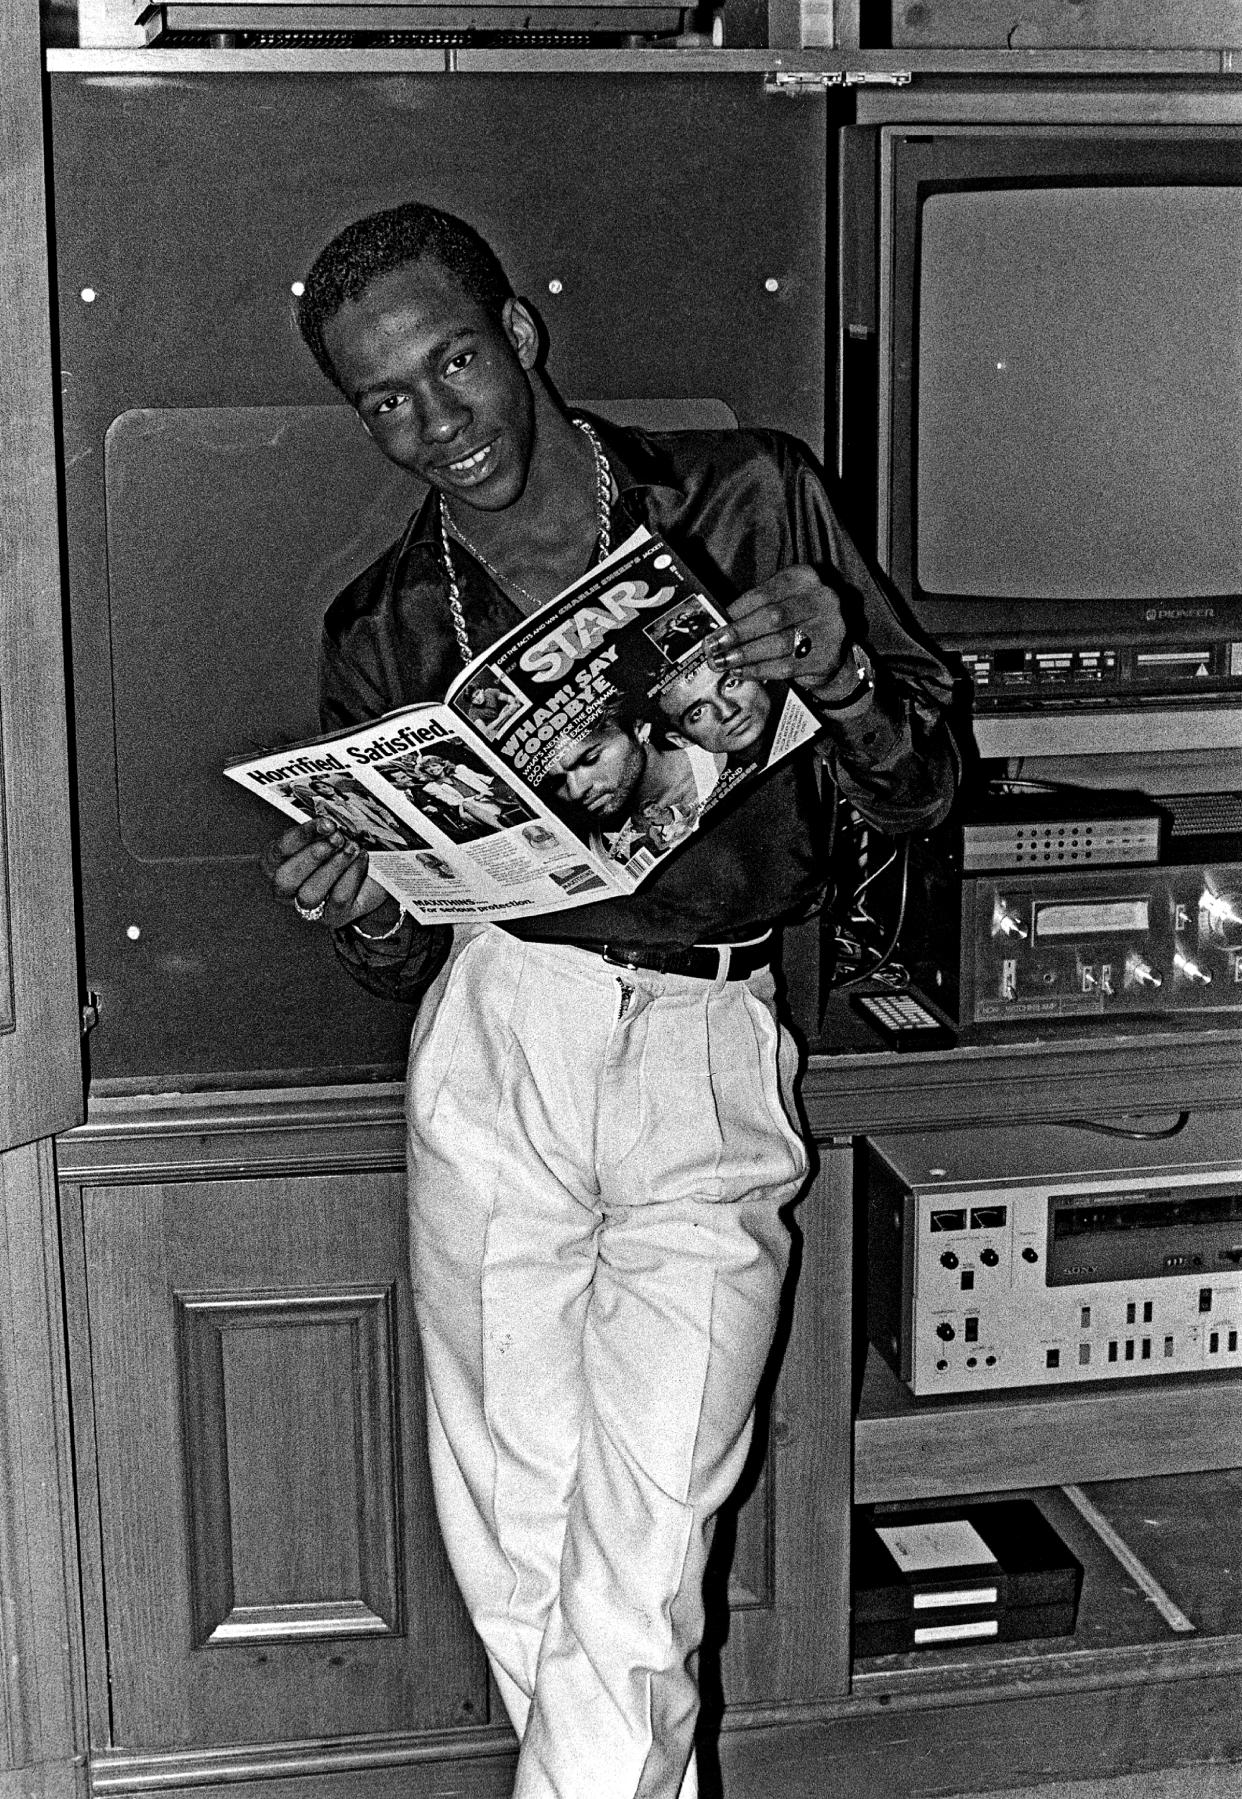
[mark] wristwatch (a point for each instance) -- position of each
(857, 661)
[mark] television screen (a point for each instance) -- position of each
(1079, 392)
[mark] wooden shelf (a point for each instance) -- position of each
(853, 1094)
(1120, 1636)
(864, 66)
(266, 1131)
(908, 1450)
(1062, 1074)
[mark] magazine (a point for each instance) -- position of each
(565, 763)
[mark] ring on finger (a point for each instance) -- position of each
(311, 914)
(801, 643)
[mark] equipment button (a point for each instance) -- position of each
(989, 1258)
(948, 1259)
(1029, 1254)
(945, 1331)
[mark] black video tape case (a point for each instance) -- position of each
(984, 1571)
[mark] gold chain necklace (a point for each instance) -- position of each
(603, 516)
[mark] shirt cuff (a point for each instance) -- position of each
(400, 967)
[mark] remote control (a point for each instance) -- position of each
(903, 1021)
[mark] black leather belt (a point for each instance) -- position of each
(702, 961)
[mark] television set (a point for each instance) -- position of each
(1058, 404)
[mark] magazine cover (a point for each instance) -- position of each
(566, 762)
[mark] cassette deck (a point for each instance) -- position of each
(998, 1259)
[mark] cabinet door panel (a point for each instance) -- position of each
(289, 1412)
(272, 1564)
(40, 1066)
(786, 1637)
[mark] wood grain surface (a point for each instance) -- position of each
(40, 1077)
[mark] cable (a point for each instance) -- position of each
(886, 955)
(1018, 783)
(866, 882)
(1116, 1130)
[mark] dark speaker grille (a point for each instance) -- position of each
(1204, 814)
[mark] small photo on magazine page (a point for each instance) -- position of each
(456, 792)
(490, 702)
(352, 809)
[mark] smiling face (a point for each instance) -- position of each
(716, 709)
(599, 772)
(433, 768)
(440, 383)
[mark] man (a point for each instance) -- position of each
(346, 806)
(613, 772)
(601, 1134)
(717, 709)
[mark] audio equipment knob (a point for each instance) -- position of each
(1005, 921)
(989, 1258)
(945, 1331)
(1219, 911)
(1029, 1254)
(1140, 973)
(1189, 970)
(948, 1259)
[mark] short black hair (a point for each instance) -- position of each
(384, 242)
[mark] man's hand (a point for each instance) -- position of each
(789, 629)
(315, 865)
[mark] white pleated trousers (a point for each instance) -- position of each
(597, 1162)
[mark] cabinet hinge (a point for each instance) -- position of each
(807, 81)
(90, 1012)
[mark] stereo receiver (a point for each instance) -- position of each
(1005, 1258)
(1071, 943)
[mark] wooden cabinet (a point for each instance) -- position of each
(40, 1062)
(265, 1599)
(40, 1071)
(266, 1570)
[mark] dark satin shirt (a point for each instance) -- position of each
(737, 506)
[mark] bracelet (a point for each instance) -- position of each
(863, 685)
(382, 936)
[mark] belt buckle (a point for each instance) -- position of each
(617, 960)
